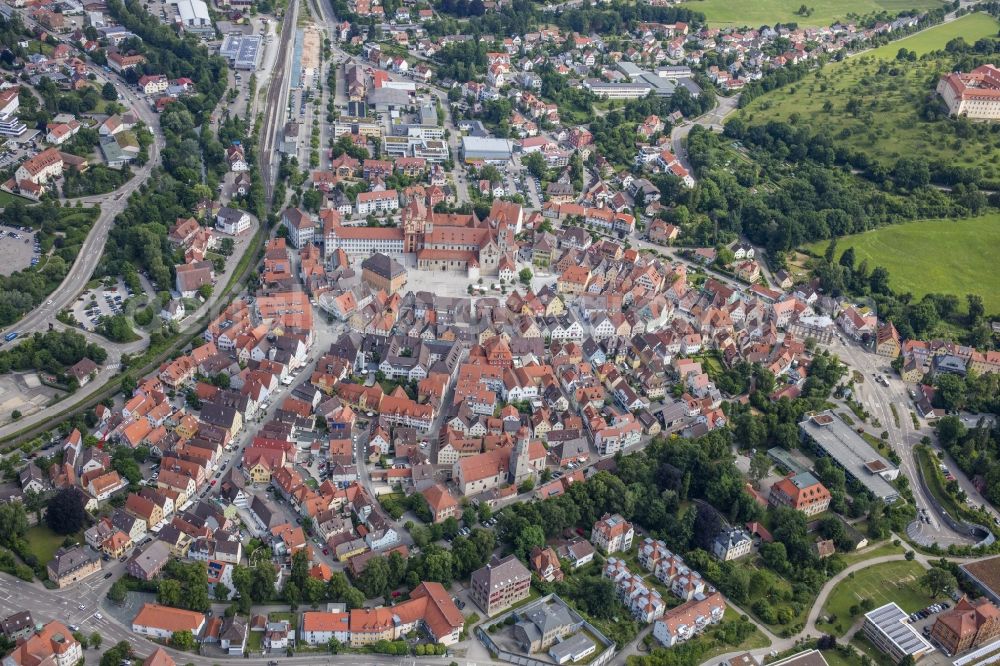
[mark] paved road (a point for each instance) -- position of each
(810, 630)
(713, 120)
(64, 605)
(93, 247)
(878, 401)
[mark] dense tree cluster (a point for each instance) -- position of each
(99, 179)
(139, 237)
(805, 198)
(913, 318)
(52, 351)
(462, 61)
(615, 133)
(172, 55)
(976, 449)
(65, 513)
(61, 230)
(184, 585)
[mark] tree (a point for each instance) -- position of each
(760, 465)
(300, 568)
(221, 592)
(170, 593)
(525, 276)
(938, 581)
(118, 591)
(95, 640)
(205, 291)
(116, 655)
(34, 502)
(976, 309)
(314, 591)
(183, 640)
(374, 582)
(262, 582)
(530, 536)
(108, 92)
(66, 514)
(847, 258)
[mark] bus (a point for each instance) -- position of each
(10, 336)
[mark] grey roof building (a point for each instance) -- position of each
(834, 438)
(574, 648)
(147, 564)
(18, 625)
(542, 623)
(889, 629)
(384, 266)
(500, 584)
(70, 565)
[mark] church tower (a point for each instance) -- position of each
(520, 464)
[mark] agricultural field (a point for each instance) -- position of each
(881, 583)
(962, 260)
(876, 105)
(723, 13)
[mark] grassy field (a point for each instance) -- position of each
(879, 112)
(971, 27)
(755, 641)
(43, 542)
(943, 256)
(768, 12)
(882, 583)
(887, 548)
(6, 198)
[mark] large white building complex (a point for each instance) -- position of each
(974, 94)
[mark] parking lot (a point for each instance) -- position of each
(18, 249)
(100, 302)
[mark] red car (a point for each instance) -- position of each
(213, 482)
(326, 551)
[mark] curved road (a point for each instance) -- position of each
(713, 120)
(810, 630)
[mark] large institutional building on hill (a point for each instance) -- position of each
(974, 94)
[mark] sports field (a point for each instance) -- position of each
(876, 105)
(881, 583)
(944, 256)
(755, 13)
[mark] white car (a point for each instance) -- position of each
(98, 616)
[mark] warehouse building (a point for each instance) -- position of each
(830, 436)
(242, 51)
(193, 17)
(490, 150)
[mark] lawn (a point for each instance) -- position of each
(6, 198)
(880, 112)
(881, 583)
(768, 12)
(936, 483)
(946, 256)
(755, 641)
(887, 548)
(43, 542)
(971, 27)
